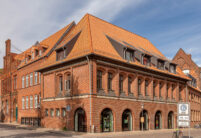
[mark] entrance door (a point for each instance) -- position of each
(80, 120)
(107, 121)
(16, 113)
(170, 120)
(158, 120)
(127, 121)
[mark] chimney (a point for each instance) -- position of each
(189, 55)
(8, 46)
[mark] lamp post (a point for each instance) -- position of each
(142, 121)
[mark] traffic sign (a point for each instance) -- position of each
(183, 118)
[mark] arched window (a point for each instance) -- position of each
(171, 120)
(144, 121)
(158, 120)
(127, 120)
(106, 120)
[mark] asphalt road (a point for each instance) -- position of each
(12, 131)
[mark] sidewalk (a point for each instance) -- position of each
(98, 135)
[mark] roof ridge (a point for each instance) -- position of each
(90, 33)
(116, 26)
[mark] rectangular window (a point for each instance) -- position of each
(36, 101)
(167, 87)
(52, 112)
(46, 112)
(139, 86)
(22, 102)
(27, 80)
(129, 84)
(180, 90)
(129, 55)
(39, 77)
(161, 64)
(109, 81)
(173, 91)
(36, 78)
(27, 102)
(31, 79)
(121, 79)
(7, 108)
(68, 78)
(172, 68)
(160, 88)
(31, 101)
(60, 83)
(40, 52)
(57, 112)
(146, 87)
(15, 83)
(63, 112)
(23, 82)
(154, 89)
(99, 79)
(146, 60)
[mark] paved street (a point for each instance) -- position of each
(13, 131)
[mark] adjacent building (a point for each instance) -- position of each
(93, 76)
(193, 71)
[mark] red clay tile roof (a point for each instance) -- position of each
(48, 43)
(93, 40)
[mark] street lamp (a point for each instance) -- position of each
(142, 118)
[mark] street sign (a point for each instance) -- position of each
(183, 124)
(183, 108)
(183, 118)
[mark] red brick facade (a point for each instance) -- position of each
(91, 77)
(186, 63)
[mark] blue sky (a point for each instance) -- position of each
(168, 24)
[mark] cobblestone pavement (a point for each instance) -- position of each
(16, 131)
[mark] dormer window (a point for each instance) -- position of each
(36, 52)
(29, 57)
(146, 60)
(40, 52)
(32, 55)
(44, 49)
(172, 68)
(129, 55)
(161, 64)
(60, 54)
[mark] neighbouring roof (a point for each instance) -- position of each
(92, 38)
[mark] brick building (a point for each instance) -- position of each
(193, 71)
(93, 76)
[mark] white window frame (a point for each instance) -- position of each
(31, 79)
(39, 77)
(23, 102)
(27, 102)
(36, 101)
(57, 112)
(36, 78)
(52, 112)
(31, 101)
(22, 81)
(27, 80)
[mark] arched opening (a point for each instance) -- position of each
(80, 120)
(107, 120)
(127, 120)
(144, 121)
(171, 120)
(158, 120)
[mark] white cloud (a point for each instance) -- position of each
(26, 22)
